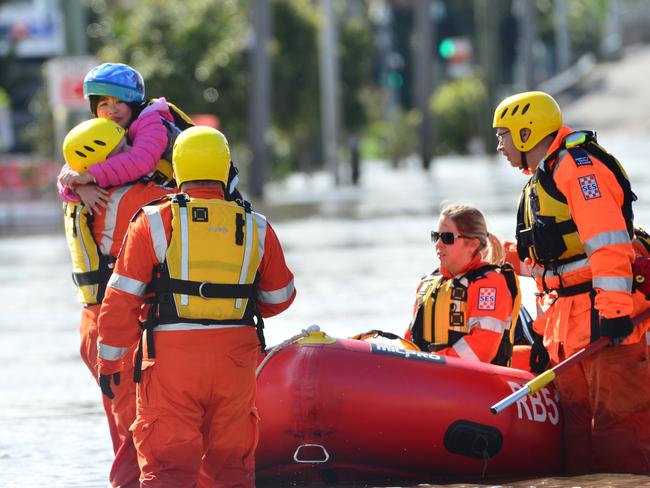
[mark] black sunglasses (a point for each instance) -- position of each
(446, 237)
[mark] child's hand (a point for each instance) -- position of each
(93, 197)
(66, 174)
(73, 179)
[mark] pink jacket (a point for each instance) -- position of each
(148, 135)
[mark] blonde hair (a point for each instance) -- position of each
(471, 222)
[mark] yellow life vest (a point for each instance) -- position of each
(90, 269)
(211, 263)
(546, 231)
(163, 174)
(441, 317)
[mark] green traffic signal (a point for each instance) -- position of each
(447, 48)
(395, 79)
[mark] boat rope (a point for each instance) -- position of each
(305, 332)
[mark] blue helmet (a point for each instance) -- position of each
(114, 80)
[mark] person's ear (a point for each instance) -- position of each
(524, 134)
(476, 245)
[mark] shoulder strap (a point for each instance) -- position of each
(181, 119)
(156, 201)
(480, 272)
(509, 274)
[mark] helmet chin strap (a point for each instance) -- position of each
(524, 161)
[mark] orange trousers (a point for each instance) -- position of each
(120, 411)
(196, 422)
(606, 405)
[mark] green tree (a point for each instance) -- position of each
(295, 82)
(192, 53)
(586, 19)
(457, 109)
(296, 89)
(357, 49)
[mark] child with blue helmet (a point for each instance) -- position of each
(116, 91)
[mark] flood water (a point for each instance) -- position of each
(356, 253)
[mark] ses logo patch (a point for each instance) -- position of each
(487, 298)
(589, 187)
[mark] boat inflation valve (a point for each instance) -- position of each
(311, 454)
(316, 336)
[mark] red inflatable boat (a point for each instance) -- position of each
(336, 410)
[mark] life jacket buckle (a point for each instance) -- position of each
(201, 289)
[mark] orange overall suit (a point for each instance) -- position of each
(108, 229)
(196, 421)
(606, 397)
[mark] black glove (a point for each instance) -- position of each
(616, 329)
(105, 383)
(538, 355)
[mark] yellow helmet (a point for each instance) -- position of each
(533, 110)
(90, 143)
(201, 153)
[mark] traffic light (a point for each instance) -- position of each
(446, 49)
(455, 49)
(395, 79)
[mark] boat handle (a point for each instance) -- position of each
(297, 459)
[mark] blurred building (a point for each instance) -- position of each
(31, 31)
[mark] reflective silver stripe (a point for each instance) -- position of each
(526, 269)
(108, 234)
(488, 323)
(276, 296)
(576, 265)
(128, 285)
(560, 158)
(606, 239)
(233, 183)
(158, 238)
(110, 353)
(464, 351)
(190, 326)
(261, 232)
(185, 259)
(564, 268)
(247, 254)
(611, 283)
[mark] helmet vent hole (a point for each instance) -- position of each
(88, 148)
(503, 114)
(99, 143)
(526, 107)
(514, 110)
(80, 154)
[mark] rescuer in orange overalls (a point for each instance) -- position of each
(469, 306)
(575, 229)
(94, 240)
(215, 268)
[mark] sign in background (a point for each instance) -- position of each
(65, 76)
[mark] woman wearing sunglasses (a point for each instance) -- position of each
(468, 306)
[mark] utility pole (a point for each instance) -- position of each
(329, 87)
(613, 40)
(562, 44)
(527, 15)
(423, 73)
(260, 100)
(485, 19)
(76, 21)
(76, 44)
